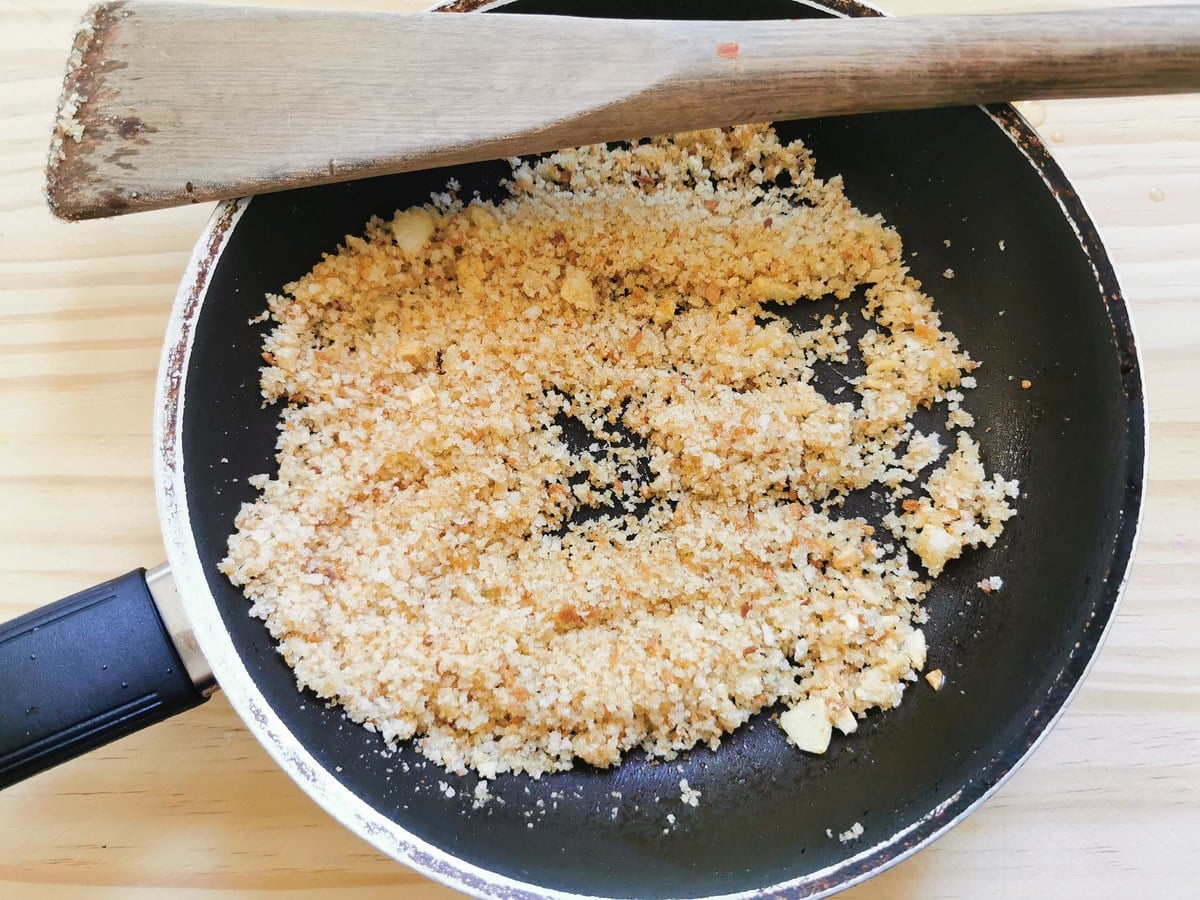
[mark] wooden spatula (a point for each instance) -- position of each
(166, 104)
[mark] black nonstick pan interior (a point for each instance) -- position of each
(1030, 297)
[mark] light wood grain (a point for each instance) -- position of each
(1109, 806)
(151, 117)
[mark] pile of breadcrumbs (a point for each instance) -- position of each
(421, 557)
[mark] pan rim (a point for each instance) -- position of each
(351, 810)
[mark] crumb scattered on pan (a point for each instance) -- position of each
(688, 794)
(990, 584)
(854, 832)
(439, 555)
(1026, 384)
(949, 273)
(936, 679)
(482, 795)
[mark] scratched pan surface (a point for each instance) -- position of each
(1034, 297)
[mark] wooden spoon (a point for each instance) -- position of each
(166, 104)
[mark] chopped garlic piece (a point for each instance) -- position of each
(934, 543)
(422, 394)
(578, 290)
(845, 721)
(914, 646)
(807, 724)
(412, 230)
(410, 350)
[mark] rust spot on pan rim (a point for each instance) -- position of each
(360, 817)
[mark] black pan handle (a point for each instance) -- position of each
(84, 671)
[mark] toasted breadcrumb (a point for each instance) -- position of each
(436, 553)
(963, 509)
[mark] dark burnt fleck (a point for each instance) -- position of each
(104, 66)
(130, 126)
(119, 156)
(114, 201)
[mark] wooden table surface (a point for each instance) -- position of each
(1108, 807)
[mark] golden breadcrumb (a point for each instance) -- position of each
(439, 555)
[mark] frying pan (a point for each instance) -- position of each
(1034, 297)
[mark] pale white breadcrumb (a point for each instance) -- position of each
(483, 795)
(416, 555)
(688, 794)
